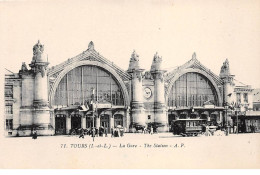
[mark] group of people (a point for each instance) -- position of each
(117, 132)
(100, 132)
(252, 128)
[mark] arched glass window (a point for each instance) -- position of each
(192, 89)
(76, 87)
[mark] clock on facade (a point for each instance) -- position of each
(147, 92)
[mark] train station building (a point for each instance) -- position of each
(54, 100)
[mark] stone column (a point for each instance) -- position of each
(41, 114)
(137, 106)
(128, 119)
(68, 124)
(112, 122)
(160, 114)
(228, 89)
(97, 121)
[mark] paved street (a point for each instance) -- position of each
(133, 151)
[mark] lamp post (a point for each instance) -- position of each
(237, 121)
(93, 110)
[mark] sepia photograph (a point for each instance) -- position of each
(116, 84)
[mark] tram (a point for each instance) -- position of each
(187, 127)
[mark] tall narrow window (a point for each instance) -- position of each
(245, 97)
(8, 108)
(9, 91)
(238, 98)
(9, 123)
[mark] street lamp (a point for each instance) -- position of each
(93, 110)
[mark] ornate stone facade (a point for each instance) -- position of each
(50, 99)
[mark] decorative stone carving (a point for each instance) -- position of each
(147, 75)
(159, 75)
(90, 58)
(38, 48)
(24, 67)
(41, 69)
(156, 65)
(40, 104)
(137, 105)
(225, 71)
(134, 62)
(157, 58)
(38, 55)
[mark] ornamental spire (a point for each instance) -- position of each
(194, 55)
(91, 46)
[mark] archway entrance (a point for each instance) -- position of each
(89, 122)
(104, 121)
(60, 124)
(75, 121)
(118, 118)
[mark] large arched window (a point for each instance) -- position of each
(76, 87)
(192, 89)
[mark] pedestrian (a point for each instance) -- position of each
(251, 128)
(112, 132)
(34, 136)
(207, 133)
(81, 133)
(151, 130)
(105, 132)
(235, 129)
(96, 132)
(93, 132)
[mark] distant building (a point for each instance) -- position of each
(256, 99)
(54, 100)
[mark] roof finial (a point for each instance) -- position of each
(91, 45)
(194, 55)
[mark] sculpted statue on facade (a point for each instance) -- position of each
(134, 56)
(157, 58)
(38, 48)
(24, 67)
(225, 68)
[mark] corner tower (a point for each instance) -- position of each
(228, 88)
(228, 83)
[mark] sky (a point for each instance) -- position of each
(215, 30)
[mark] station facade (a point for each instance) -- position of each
(50, 99)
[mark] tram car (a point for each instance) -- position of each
(187, 127)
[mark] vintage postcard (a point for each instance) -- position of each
(118, 84)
